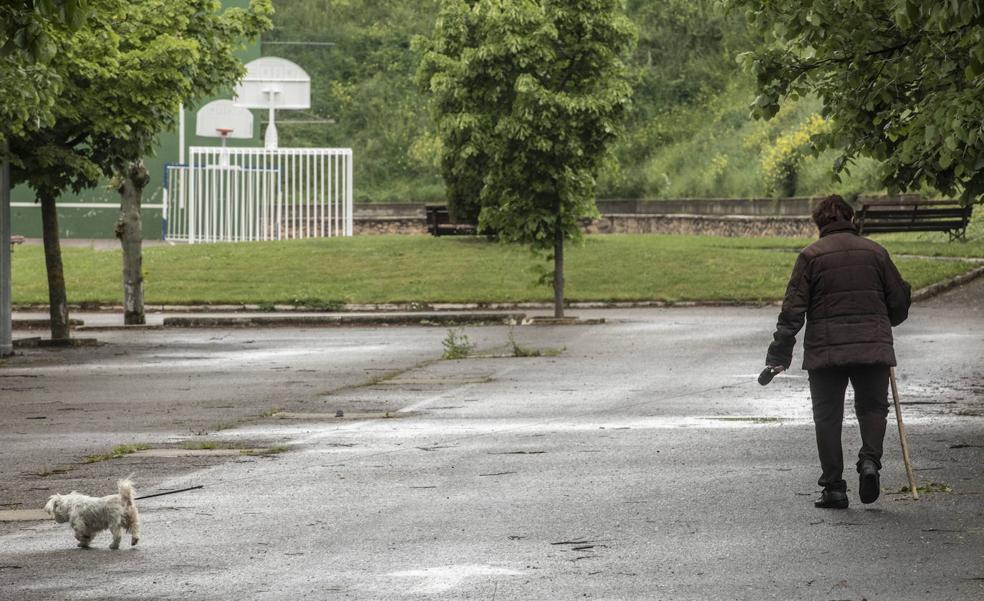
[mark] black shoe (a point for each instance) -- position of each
(832, 499)
(869, 485)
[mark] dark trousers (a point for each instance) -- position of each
(827, 387)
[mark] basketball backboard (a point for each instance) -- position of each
(221, 116)
(276, 83)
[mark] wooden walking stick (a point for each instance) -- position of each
(902, 437)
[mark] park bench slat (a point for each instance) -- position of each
(913, 227)
(918, 210)
(912, 218)
(910, 203)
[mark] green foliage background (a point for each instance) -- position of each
(689, 132)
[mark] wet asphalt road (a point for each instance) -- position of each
(641, 462)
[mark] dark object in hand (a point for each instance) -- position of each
(767, 374)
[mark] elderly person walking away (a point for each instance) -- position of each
(850, 294)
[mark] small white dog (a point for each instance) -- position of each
(90, 515)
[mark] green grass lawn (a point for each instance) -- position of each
(376, 269)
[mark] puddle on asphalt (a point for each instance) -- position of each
(445, 578)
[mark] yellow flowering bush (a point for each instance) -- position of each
(781, 160)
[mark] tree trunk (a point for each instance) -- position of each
(57, 299)
(558, 283)
(130, 232)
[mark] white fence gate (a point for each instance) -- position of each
(237, 194)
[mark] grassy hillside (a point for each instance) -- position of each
(689, 133)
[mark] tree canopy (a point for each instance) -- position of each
(28, 30)
(26, 25)
(900, 81)
(529, 98)
(121, 77)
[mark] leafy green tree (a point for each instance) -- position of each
(532, 93)
(26, 25)
(122, 76)
(29, 89)
(900, 80)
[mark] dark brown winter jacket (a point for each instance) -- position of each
(851, 295)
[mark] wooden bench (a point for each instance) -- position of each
(914, 215)
(16, 240)
(439, 223)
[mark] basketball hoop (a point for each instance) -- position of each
(224, 133)
(223, 119)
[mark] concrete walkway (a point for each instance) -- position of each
(635, 460)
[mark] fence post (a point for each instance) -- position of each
(349, 209)
(191, 209)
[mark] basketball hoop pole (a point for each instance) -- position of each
(224, 133)
(270, 138)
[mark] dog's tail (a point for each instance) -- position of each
(132, 522)
(126, 491)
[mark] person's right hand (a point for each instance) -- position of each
(769, 372)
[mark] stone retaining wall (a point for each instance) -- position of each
(707, 216)
(362, 226)
(717, 225)
(771, 207)
(708, 225)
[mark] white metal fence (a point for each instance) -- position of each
(236, 194)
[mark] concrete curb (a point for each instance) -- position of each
(941, 287)
(41, 324)
(344, 320)
(111, 328)
(22, 343)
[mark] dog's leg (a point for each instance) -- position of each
(83, 539)
(133, 525)
(82, 533)
(117, 532)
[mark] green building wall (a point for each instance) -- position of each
(76, 221)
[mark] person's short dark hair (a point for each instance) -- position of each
(830, 209)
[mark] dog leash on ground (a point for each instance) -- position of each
(171, 492)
